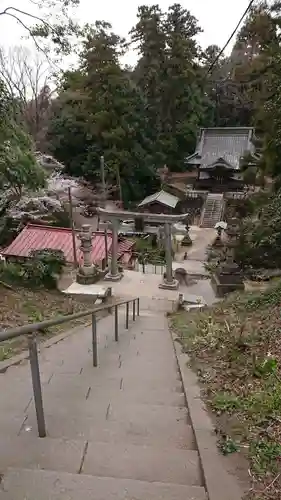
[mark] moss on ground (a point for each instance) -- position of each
(235, 347)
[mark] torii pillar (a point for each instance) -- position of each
(114, 274)
(169, 282)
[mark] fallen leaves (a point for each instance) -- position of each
(19, 306)
(236, 348)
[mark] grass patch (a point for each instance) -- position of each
(20, 306)
(235, 347)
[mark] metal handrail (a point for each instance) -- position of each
(31, 329)
(42, 325)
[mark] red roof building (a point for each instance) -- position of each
(35, 237)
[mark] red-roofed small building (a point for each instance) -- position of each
(36, 237)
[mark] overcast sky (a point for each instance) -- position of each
(216, 17)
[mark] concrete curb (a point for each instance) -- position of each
(16, 360)
(219, 483)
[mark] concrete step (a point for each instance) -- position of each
(116, 410)
(144, 463)
(130, 424)
(65, 385)
(135, 394)
(30, 452)
(19, 484)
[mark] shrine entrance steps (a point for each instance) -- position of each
(120, 431)
(212, 210)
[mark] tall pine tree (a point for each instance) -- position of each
(182, 103)
(104, 113)
(168, 75)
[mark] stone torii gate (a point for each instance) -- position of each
(166, 220)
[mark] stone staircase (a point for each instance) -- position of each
(121, 431)
(213, 210)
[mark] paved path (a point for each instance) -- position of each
(146, 286)
(117, 432)
(201, 239)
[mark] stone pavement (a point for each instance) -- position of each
(201, 239)
(117, 432)
(146, 287)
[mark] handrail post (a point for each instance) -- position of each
(94, 340)
(127, 316)
(116, 324)
(36, 383)
(138, 306)
(110, 297)
(134, 310)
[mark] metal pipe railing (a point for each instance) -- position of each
(31, 329)
(42, 325)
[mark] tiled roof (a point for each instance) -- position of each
(222, 145)
(124, 246)
(34, 237)
(161, 197)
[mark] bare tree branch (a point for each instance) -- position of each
(19, 21)
(28, 79)
(58, 33)
(40, 19)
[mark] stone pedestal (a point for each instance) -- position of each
(227, 279)
(169, 285)
(84, 279)
(113, 277)
(187, 241)
(217, 243)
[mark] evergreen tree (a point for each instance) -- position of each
(168, 76)
(103, 113)
(182, 102)
(148, 35)
(259, 41)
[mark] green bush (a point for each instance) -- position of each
(260, 239)
(40, 270)
(53, 259)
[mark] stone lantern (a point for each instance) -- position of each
(228, 277)
(87, 272)
(187, 241)
(219, 227)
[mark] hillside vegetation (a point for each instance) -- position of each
(236, 349)
(19, 306)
